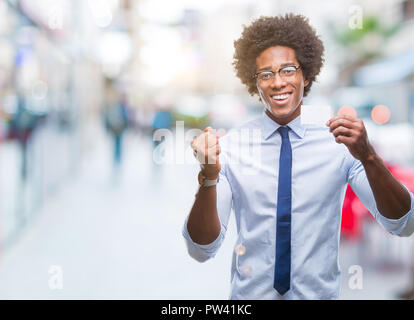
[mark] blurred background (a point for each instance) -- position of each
(99, 101)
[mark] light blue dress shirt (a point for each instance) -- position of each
(321, 170)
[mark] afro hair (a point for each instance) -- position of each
(293, 31)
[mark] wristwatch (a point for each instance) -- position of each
(203, 182)
(209, 183)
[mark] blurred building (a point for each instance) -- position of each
(55, 56)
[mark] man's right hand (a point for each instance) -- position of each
(207, 149)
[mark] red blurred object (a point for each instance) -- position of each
(353, 211)
(351, 218)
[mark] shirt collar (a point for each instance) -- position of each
(270, 126)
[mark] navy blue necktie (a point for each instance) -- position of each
(284, 206)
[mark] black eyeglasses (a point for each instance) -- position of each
(286, 73)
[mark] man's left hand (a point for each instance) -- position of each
(351, 132)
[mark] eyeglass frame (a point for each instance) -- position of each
(278, 71)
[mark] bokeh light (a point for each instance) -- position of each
(240, 250)
(380, 114)
(347, 110)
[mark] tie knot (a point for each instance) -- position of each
(284, 132)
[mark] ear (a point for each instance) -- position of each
(306, 82)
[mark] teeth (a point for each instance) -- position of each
(280, 97)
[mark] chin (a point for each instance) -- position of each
(282, 114)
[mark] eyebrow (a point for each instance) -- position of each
(287, 64)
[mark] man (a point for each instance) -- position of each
(287, 196)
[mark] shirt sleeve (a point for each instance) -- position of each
(201, 252)
(359, 183)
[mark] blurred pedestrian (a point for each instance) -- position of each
(21, 127)
(162, 120)
(116, 122)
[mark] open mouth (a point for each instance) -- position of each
(280, 99)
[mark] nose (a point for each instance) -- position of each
(277, 82)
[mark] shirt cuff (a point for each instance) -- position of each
(201, 252)
(403, 226)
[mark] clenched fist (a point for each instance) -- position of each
(207, 149)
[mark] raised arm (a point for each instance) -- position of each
(392, 199)
(203, 222)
